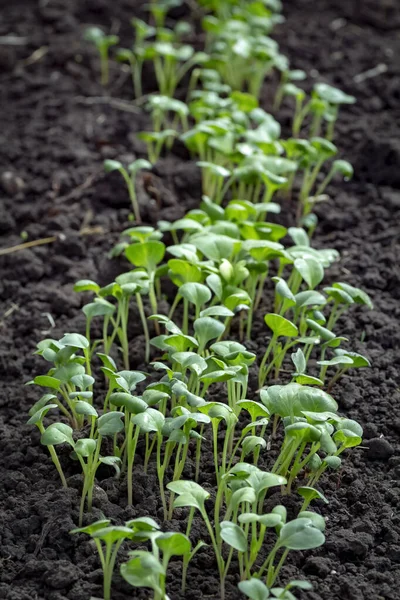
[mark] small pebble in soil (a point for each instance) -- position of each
(11, 183)
(379, 449)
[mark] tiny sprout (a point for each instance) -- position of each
(309, 494)
(37, 419)
(108, 539)
(103, 43)
(129, 174)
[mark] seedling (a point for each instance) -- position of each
(129, 174)
(87, 451)
(135, 56)
(161, 107)
(147, 255)
(108, 539)
(148, 569)
(132, 406)
(171, 63)
(37, 419)
(255, 589)
(103, 43)
(156, 140)
(280, 327)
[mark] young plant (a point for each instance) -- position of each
(108, 539)
(129, 174)
(280, 327)
(65, 432)
(135, 56)
(132, 406)
(148, 569)
(171, 63)
(87, 451)
(103, 44)
(67, 376)
(147, 255)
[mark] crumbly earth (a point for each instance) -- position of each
(55, 129)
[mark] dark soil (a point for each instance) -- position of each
(56, 129)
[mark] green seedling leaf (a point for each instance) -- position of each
(47, 381)
(217, 311)
(132, 404)
(324, 333)
(138, 165)
(359, 361)
(112, 534)
(338, 295)
(142, 524)
(283, 290)
(300, 534)
(280, 326)
(41, 403)
(189, 494)
(90, 529)
(255, 409)
(207, 329)
(308, 380)
(112, 461)
(110, 423)
(254, 589)
(292, 400)
(86, 285)
(333, 462)
(82, 381)
(309, 298)
(143, 570)
(317, 520)
(242, 495)
(311, 271)
(300, 584)
(147, 254)
(251, 442)
(348, 432)
(299, 361)
(344, 168)
(39, 415)
(216, 247)
(112, 165)
(182, 272)
(98, 308)
(84, 408)
(336, 360)
(75, 340)
(233, 536)
(150, 420)
(299, 236)
(358, 295)
(173, 544)
(310, 493)
(67, 372)
(196, 293)
(85, 447)
(128, 380)
(332, 95)
(57, 433)
(190, 360)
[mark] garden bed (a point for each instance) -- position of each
(56, 132)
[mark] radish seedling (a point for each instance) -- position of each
(108, 539)
(103, 44)
(37, 419)
(87, 451)
(129, 174)
(135, 56)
